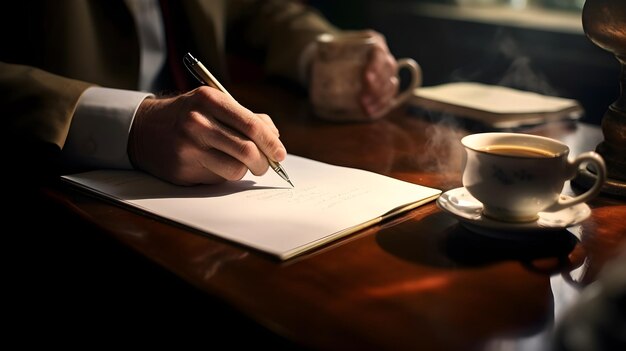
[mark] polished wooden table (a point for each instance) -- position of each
(420, 281)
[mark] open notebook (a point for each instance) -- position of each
(265, 213)
(494, 106)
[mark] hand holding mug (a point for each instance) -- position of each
(354, 77)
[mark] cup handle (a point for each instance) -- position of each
(402, 96)
(586, 157)
(416, 80)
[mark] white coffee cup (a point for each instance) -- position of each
(515, 176)
(337, 76)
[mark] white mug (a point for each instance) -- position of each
(337, 75)
(516, 175)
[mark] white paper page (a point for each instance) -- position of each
(265, 212)
(494, 98)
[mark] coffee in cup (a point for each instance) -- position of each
(337, 75)
(515, 176)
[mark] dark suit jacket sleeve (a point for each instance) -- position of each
(38, 105)
(283, 29)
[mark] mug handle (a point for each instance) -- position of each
(572, 168)
(416, 80)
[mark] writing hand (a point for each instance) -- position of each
(202, 137)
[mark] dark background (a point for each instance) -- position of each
(79, 282)
(551, 62)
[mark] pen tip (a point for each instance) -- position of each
(290, 183)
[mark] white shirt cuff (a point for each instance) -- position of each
(98, 135)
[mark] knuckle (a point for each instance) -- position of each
(395, 83)
(205, 92)
(205, 95)
(251, 126)
(191, 119)
(235, 171)
(264, 117)
(247, 150)
(191, 122)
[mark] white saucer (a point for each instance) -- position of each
(464, 207)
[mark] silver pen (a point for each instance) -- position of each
(203, 75)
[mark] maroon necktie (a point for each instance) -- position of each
(176, 34)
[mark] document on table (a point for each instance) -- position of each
(265, 213)
(494, 106)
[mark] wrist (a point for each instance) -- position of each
(134, 136)
(100, 127)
